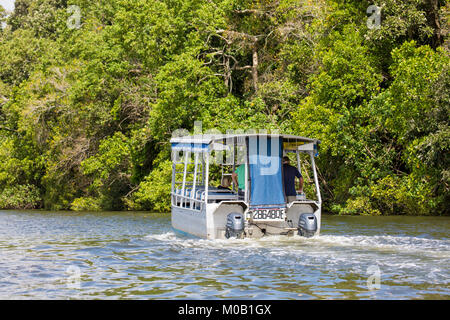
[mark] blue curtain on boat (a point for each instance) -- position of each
(266, 178)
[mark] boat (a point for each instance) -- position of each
(256, 209)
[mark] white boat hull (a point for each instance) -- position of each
(210, 222)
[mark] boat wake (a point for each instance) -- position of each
(434, 248)
(419, 260)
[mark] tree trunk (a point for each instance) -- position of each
(434, 21)
(255, 67)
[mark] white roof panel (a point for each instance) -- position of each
(209, 138)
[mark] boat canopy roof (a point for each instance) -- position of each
(203, 142)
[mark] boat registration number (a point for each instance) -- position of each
(268, 214)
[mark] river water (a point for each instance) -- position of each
(129, 255)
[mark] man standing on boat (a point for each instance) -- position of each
(289, 175)
(238, 177)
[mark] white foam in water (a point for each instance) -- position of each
(400, 244)
(396, 244)
(244, 244)
(332, 251)
(162, 237)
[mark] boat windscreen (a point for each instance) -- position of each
(266, 179)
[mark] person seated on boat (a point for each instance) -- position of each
(289, 175)
(225, 183)
(238, 177)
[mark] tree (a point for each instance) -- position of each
(86, 113)
(414, 110)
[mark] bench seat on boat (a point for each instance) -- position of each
(214, 193)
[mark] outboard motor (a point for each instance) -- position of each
(235, 225)
(307, 225)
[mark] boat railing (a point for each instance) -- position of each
(196, 201)
(186, 200)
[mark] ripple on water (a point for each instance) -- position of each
(134, 256)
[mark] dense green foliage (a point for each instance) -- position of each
(87, 107)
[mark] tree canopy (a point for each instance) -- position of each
(91, 91)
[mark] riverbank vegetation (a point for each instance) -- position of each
(91, 91)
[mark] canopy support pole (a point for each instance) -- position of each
(316, 180)
(187, 154)
(206, 177)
